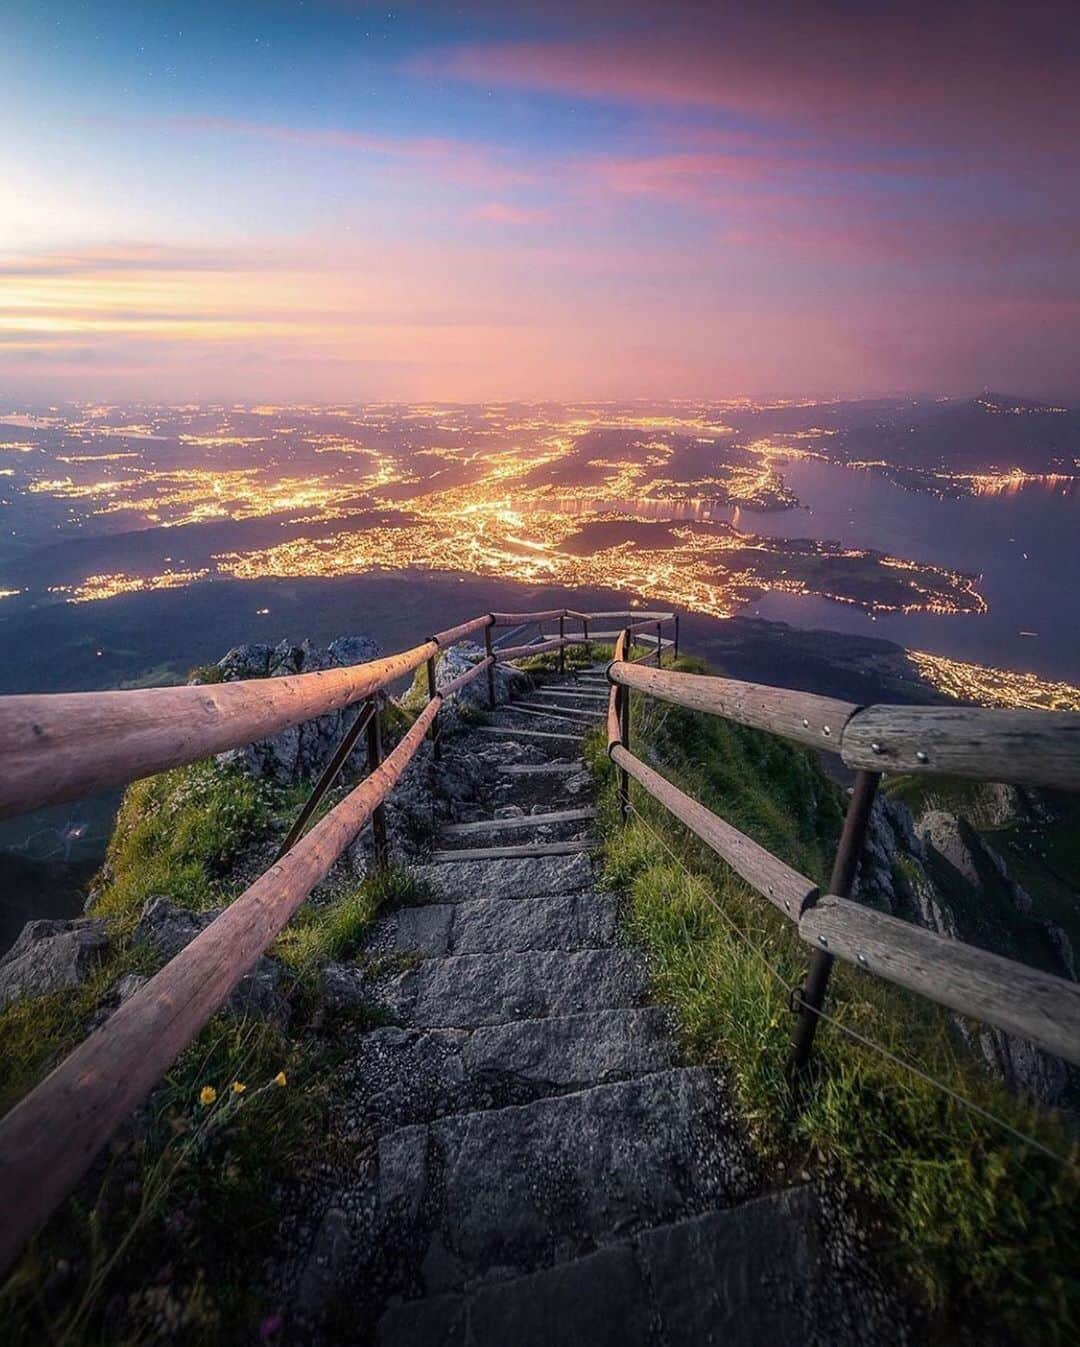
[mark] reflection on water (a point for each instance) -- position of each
(666, 504)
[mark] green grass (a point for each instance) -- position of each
(167, 1236)
(981, 1228)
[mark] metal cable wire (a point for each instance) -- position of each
(853, 1034)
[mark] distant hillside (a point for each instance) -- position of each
(994, 431)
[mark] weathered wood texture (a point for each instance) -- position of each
(538, 648)
(463, 629)
(516, 732)
(510, 853)
(1021, 1000)
(82, 1102)
(463, 679)
(1030, 748)
(62, 745)
(558, 710)
(784, 887)
(803, 716)
(518, 619)
(488, 825)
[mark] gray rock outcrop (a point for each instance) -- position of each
(167, 928)
(50, 956)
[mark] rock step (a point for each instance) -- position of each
(557, 768)
(506, 853)
(539, 713)
(509, 878)
(514, 732)
(489, 825)
(554, 711)
(396, 1077)
(494, 925)
(750, 1275)
(572, 697)
(532, 1185)
(468, 990)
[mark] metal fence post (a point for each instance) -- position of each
(491, 667)
(624, 737)
(845, 868)
(378, 814)
(562, 648)
(433, 733)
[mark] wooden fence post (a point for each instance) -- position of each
(845, 868)
(675, 651)
(380, 847)
(491, 666)
(585, 633)
(562, 648)
(433, 733)
(659, 645)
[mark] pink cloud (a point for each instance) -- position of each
(973, 74)
(505, 212)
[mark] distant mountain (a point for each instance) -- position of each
(991, 432)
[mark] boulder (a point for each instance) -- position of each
(50, 956)
(167, 928)
(299, 753)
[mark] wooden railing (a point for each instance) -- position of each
(63, 745)
(1032, 748)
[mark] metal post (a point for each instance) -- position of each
(378, 815)
(845, 868)
(659, 645)
(491, 667)
(433, 733)
(624, 739)
(675, 652)
(585, 632)
(562, 648)
(329, 775)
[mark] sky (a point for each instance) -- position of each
(322, 200)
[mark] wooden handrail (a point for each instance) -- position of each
(784, 887)
(1029, 748)
(537, 648)
(86, 1098)
(1013, 996)
(463, 629)
(802, 716)
(62, 745)
(1041, 747)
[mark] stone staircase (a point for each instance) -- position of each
(541, 1169)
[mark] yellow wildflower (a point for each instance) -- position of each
(238, 1087)
(280, 1079)
(207, 1095)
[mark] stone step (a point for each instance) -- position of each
(543, 713)
(490, 825)
(571, 694)
(493, 925)
(516, 877)
(562, 767)
(528, 1186)
(516, 732)
(467, 990)
(742, 1277)
(506, 853)
(554, 711)
(397, 1077)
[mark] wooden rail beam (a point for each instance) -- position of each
(1021, 1000)
(81, 1103)
(784, 887)
(803, 716)
(62, 745)
(463, 629)
(1030, 748)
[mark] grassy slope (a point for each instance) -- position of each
(169, 1233)
(984, 1227)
